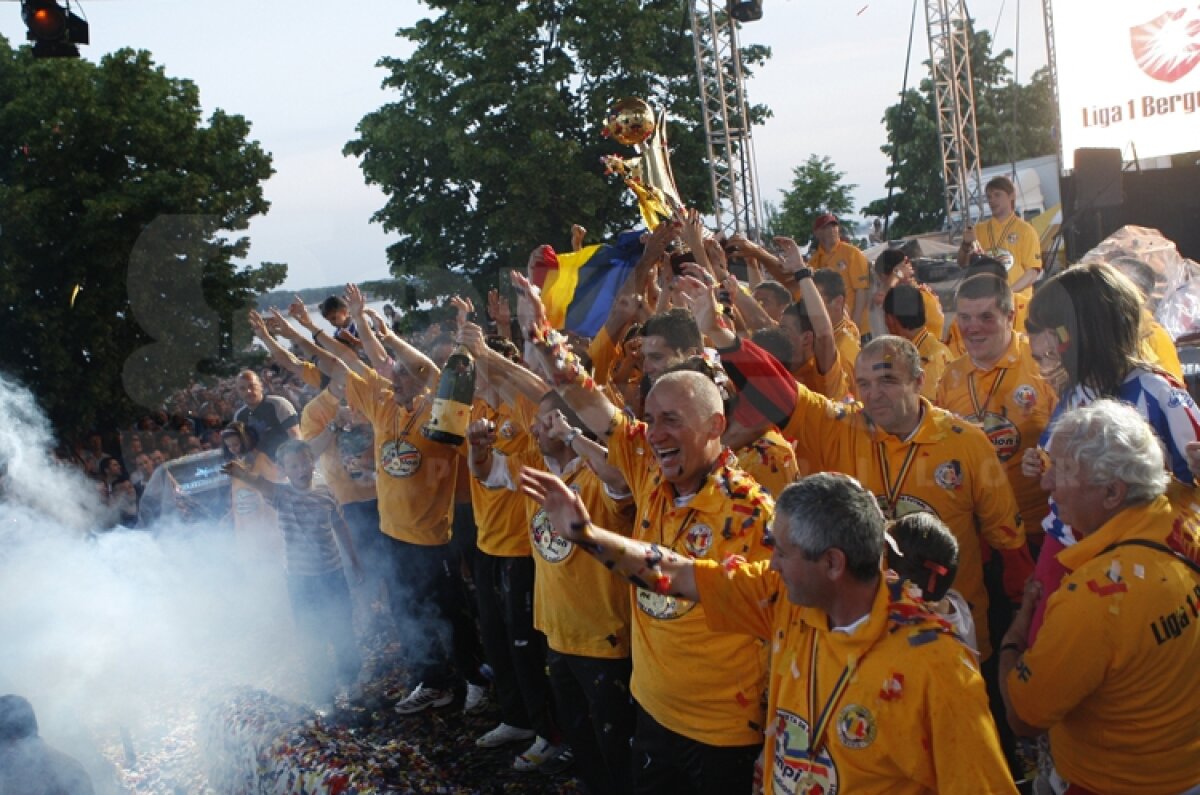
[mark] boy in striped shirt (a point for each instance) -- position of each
(309, 518)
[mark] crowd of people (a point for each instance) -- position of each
(792, 534)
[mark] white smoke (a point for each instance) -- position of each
(105, 632)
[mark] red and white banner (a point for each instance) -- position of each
(1128, 74)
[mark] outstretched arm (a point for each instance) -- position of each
(647, 566)
(566, 372)
(239, 471)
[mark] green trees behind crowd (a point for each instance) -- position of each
(492, 144)
(119, 208)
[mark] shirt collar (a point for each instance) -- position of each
(1151, 521)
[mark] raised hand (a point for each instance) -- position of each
(464, 309)
(790, 254)
(531, 313)
(556, 425)
(564, 507)
(299, 311)
(258, 325)
(716, 258)
(355, 299)
(470, 335)
(499, 309)
(481, 434)
(577, 235)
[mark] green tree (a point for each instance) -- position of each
(117, 274)
(817, 188)
(1014, 121)
(492, 145)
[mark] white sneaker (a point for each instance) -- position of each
(422, 698)
(503, 735)
(542, 756)
(476, 698)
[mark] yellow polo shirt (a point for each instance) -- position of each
(935, 357)
(319, 412)
(913, 718)
(851, 263)
(1112, 674)
(952, 472)
(770, 460)
(1158, 348)
(1012, 404)
(1016, 237)
(705, 685)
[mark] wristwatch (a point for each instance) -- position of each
(571, 436)
(804, 273)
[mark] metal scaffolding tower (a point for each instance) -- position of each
(732, 168)
(950, 61)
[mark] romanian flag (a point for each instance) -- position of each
(578, 287)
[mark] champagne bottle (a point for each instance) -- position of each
(452, 407)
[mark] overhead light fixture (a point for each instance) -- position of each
(746, 10)
(54, 29)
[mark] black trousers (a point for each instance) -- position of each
(513, 648)
(665, 762)
(595, 713)
(428, 599)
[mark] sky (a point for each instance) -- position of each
(304, 73)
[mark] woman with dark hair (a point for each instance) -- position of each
(1090, 316)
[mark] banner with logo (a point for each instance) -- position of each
(1128, 75)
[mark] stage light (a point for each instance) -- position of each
(746, 10)
(54, 29)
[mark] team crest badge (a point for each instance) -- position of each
(699, 540)
(949, 475)
(856, 726)
(1025, 396)
(841, 265)
(1180, 398)
(1012, 238)
(399, 458)
(795, 773)
(550, 545)
(507, 431)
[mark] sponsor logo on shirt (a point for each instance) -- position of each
(795, 773)
(399, 458)
(1001, 432)
(1180, 398)
(549, 544)
(662, 606)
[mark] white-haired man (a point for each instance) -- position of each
(1112, 674)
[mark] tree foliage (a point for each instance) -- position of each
(817, 188)
(1014, 121)
(117, 276)
(492, 145)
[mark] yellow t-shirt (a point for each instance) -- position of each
(500, 514)
(603, 353)
(935, 318)
(707, 686)
(913, 719)
(1113, 671)
(837, 384)
(579, 605)
(852, 264)
(954, 340)
(1016, 237)
(415, 477)
(1158, 348)
(770, 460)
(934, 359)
(310, 374)
(1012, 404)
(952, 473)
(846, 335)
(319, 412)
